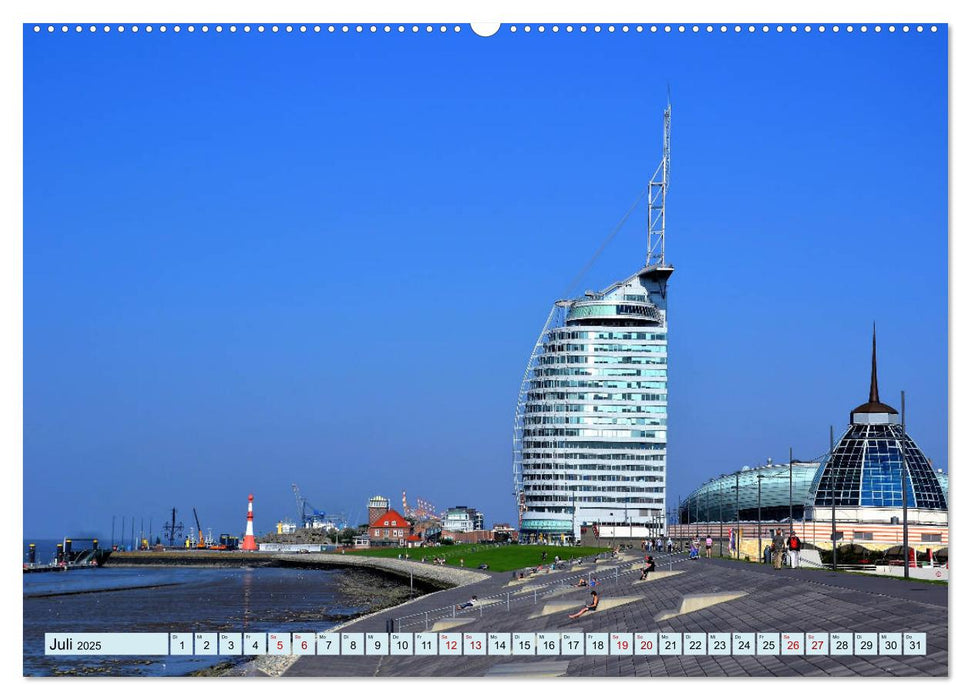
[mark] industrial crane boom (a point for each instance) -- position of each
(201, 544)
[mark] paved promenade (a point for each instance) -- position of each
(770, 601)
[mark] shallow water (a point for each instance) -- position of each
(172, 599)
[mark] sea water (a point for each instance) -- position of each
(171, 599)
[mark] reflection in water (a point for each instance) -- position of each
(247, 585)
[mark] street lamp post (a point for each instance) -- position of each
(738, 521)
(721, 518)
(832, 491)
(792, 526)
(903, 493)
(761, 557)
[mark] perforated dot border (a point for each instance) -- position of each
(455, 28)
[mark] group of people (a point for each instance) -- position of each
(782, 546)
(658, 545)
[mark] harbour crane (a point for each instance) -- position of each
(201, 544)
(310, 517)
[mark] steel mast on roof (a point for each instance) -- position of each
(657, 198)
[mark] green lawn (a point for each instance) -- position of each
(498, 557)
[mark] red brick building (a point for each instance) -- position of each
(389, 528)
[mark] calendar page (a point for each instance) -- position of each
(518, 344)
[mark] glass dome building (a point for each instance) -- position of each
(872, 466)
(761, 491)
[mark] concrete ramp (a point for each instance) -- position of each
(698, 601)
(562, 608)
(655, 575)
(445, 625)
(564, 591)
(534, 669)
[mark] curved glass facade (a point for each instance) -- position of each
(865, 471)
(716, 500)
(591, 441)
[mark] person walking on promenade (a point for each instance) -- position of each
(778, 549)
(670, 546)
(591, 607)
(794, 546)
(708, 547)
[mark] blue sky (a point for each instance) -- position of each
(252, 260)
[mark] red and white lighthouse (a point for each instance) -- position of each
(249, 542)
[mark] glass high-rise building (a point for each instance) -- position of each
(590, 438)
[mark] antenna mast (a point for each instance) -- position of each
(657, 198)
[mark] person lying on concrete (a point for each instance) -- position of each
(468, 604)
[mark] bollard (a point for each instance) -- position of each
(426, 620)
(507, 602)
(389, 625)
